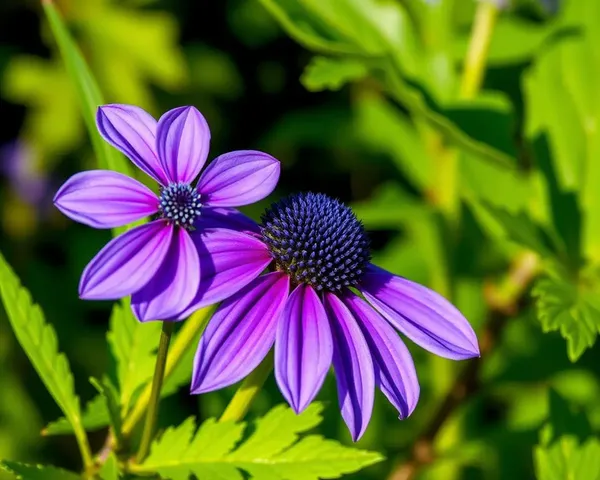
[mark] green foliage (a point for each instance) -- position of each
(133, 345)
(566, 449)
(87, 88)
(110, 469)
(332, 73)
(571, 309)
(111, 401)
(95, 416)
(23, 471)
(38, 340)
(272, 451)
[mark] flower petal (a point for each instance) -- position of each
(229, 261)
(133, 131)
(182, 141)
(353, 367)
(175, 283)
(239, 178)
(127, 263)
(421, 314)
(240, 333)
(219, 217)
(303, 348)
(394, 368)
(105, 199)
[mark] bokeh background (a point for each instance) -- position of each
(347, 131)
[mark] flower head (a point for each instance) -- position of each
(307, 305)
(158, 263)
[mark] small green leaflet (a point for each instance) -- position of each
(272, 452)
(324, 73)
(111, 401)
(566, 450)
(23, 471)
(95, 417)
(564, 306)
(38, 340)
(133, 346)
(110, 469)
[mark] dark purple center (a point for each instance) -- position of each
(180, 203)
(316, 240)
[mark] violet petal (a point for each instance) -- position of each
(175, 283)
(353, 367)
(132, 131)
(229, 261)
(239, 178)
(421, 314)
(105, 199)
(240, 333)
(182, 141)
(394, 367)
(127, 263)
(222, 217)
(303, 348)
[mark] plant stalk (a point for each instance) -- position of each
(157, 381)
(240, 403)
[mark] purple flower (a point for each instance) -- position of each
(157, 263)
(341, 309)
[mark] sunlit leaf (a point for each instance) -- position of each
(570, 309)
(23, 471)
(110, 468)
(111, 400)
(38, 340)
(133, 345)
(95, 416)
(273, 451)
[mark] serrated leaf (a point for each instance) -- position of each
(566, 459)
(564, 306)
(324, 73)
(23, 471)
(272, 452)
(110, 468)
(38, 340)
(133, 346)
(94, 417)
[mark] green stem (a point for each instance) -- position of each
(157, 381)
(241, 401)
(479, 45)
(190, 330)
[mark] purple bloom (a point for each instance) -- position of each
(158, 263)
(316, 247)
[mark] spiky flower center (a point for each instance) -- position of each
(316, 240)
(180, 203)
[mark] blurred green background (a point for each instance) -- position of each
(363, 100)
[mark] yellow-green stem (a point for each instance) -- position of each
(241, 401)
(188, 333)
(84, 448)
(157, 381)
(479, 45)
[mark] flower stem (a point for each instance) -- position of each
(157, 380)
(241, 401)
(186, 335)
(479, 45)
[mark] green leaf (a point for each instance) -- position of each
(571, 309)
(133, 345)
(23, 471)
(38, 340)
(111, 400)
(521, 229)
(95, 416)
(110, 468)
(272, 452)
(90, 97)
(324, 73)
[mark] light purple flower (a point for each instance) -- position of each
(321, 302)
(158, 263)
